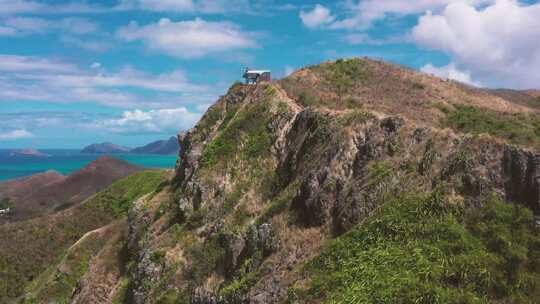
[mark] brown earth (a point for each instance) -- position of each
(49, 192)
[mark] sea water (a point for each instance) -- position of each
(67, 161)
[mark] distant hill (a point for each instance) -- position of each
(164, 147)
(105, 148)
(44, 193)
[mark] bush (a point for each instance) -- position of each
(423, 250)
(516, 128)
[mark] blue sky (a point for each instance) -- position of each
(78, 72)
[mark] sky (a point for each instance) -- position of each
(78, 72)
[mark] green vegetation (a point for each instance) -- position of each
(421, 249)
(237, 288)
(518, 129)
(205, 258)
(345, 73)
(27, 248)
(5, 203)
(121, 194)
(58, 283)
(280, 203)
(246, 136)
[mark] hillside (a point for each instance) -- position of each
(48, 192)
(162, 147)
(30, 249)
(354, 181)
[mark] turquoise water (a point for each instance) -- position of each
(67, 161)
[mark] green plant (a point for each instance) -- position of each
(345, 73)
(421, 249)
(246, 135)
(516, 128)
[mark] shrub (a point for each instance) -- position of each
(519, 129)
(423, 250)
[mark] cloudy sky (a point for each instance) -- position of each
(131, 71)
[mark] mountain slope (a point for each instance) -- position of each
(31, 249)
(46, 193)
(272, 173)
(353, 181)
(164, 147)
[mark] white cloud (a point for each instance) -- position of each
(319, 16)
(362, 14)
(12, 7)
(153, 121)
(34, 25)
(188, 6)
(40, 79)
(14, 63)
(15, 134)
(499, 44)
(189, 39)
(450, 72)
(95, 65)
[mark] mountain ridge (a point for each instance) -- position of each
(350, 181)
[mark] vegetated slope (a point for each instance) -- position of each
(353, 181)
(27, 248)
(43, 194)
(163, 147)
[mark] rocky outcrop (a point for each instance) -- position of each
(522, 177)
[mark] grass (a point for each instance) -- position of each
(118, 198)
(246, 135)
(58, 286)
(420, 249)
(27, 248)
(518, 129)
(345, 73)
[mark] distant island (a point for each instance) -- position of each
(28, 153)
(161, 147)
(105, 148)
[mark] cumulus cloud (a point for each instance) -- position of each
(450, 72)
(188, 39)
(15, 134)
(362, 13)
(319, 16)
(499, 44)
(163, 121)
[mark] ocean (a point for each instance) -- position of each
(67, 161)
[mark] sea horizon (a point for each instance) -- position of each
(67, 161)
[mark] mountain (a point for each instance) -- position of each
(105, 148)
(45, 257)
(351, 181)
(48, 192)
(27, 153)
(164, 147)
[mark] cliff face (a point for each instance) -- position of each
(354, 181)
(274, 172)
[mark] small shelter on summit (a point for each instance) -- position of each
(256, 76)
